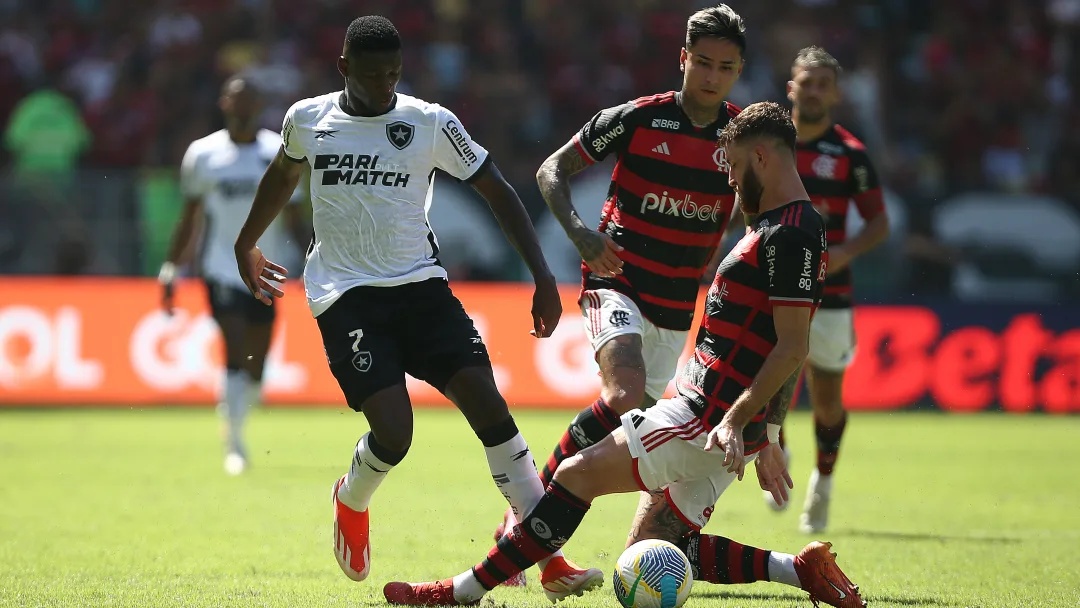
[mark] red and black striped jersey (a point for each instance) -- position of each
(782, 262)
(836, 171)
(668, 203)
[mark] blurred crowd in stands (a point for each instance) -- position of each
(951, 97)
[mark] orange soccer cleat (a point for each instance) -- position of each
(823, 579)
(439, 593)
(563, 578)
(351, 546)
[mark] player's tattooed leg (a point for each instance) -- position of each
(655, 519)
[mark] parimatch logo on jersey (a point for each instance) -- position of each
(357, 169)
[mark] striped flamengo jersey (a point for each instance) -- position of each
(780, 263)
(668, 203)
(836, 171)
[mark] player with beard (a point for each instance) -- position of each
(837, 172)
(689, 449)
(218, 177)
(667, 209)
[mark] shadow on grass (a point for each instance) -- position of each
(719, 592)
(923, 536)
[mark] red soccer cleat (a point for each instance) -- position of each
(823, 579)
(439, 593)
(518, 580)
(563, 578)
(351, 546)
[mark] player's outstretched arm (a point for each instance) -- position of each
(598, 250)
(178, 247)
(792, 325)
(518, 228)
(276, 186)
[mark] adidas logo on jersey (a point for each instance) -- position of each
(662, 149)
(353, 169)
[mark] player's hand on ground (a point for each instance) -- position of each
(772, 473)
(546, 307)
(728, 438)
(599, 252)
(257, 272)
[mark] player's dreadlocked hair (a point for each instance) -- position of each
(763, 119)
(716, 22)
(816, 57)
(371, 33)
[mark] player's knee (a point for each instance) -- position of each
(255, 367)
(627, 392)
(827, 390)
(394, 440)
(573, 474)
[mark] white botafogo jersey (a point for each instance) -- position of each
(371, 188)
(224, 175)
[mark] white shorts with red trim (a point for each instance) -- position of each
(608, 313)
(667, 443)
(832, 339)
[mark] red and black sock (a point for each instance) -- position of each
(589, 426)
(719, 560)
(542, 532)
(828, 444)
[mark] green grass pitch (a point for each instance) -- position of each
(132, 508)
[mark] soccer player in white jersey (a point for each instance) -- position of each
(375, 285)
(218, 177)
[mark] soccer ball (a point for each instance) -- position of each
(652, 574)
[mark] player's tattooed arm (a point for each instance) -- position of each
(553, 178)
(597, 250)
(655, 519)
(781, 401)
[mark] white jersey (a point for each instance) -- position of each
(371, 188)
(224, 175)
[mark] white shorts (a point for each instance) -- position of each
(832, 339)
(667, 443)
(608, 313)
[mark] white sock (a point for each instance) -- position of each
(466, 588)
(512, 467)
(365, 474)
(235, 407)
(782, 569)
(820, 484)
(254, 392)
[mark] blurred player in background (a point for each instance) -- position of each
(836, 171)
(753, 337)
(218, 178)
(374, 282)
(668, 205)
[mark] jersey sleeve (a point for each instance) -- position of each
(291, 140)
(865, 188)
(193, 182)
(794, 263)
(609, 131)
(455, 151)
